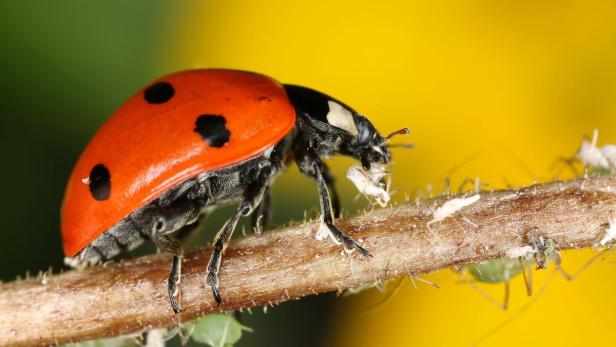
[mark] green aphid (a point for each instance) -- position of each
(500, 270)
(504, 269)
(497, 270)
(599, 171)
(547, 252)
(215, 330)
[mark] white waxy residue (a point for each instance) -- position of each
(610, 234)
(155, 338)
(323, 231)
(591, 155)
(452, 206)
(370, 183)
(518, 252)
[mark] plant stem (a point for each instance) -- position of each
(288, 263)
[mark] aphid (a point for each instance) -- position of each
(541, 251)
(452, 206)
(193, 140)
(610, 234)
(546, 251)
(156, 338)
(372, 184)
(518, 261)
(500, 270)
(603, 158)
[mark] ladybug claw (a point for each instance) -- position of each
(175, 307)
(173, 292)
(350, 245)
(216, 296)
(212, 281)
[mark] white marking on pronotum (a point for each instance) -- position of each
(370, 183)
(340, 117)
(610, 234)
(591, 155)
(85, 180)
(452, 206)
(518, 252)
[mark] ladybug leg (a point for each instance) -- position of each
(311, 165)
(330, 182)
(252, 196)
(220, 244)
(170, 244)
(260, 218)
(327, 216)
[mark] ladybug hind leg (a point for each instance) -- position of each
(260, 218)
(251, 198)
(170, 244)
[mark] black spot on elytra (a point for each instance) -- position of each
(158, 93)
(212, 128)
(100, 182)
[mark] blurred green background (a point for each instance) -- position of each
(511, 85)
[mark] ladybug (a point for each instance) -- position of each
(194, 140)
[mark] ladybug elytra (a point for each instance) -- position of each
(194, 140)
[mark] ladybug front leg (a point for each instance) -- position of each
(328, 220)
(170, 244)
(311, 165)
(252, 196)
(330, 182)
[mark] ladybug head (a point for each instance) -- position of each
(368, 146)
(339, 129)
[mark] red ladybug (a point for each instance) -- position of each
(193, 140)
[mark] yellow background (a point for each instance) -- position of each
(514, 85)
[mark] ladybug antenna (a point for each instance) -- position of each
(402, 131)
(403, 145)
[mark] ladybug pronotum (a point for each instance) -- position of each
(194, 140)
